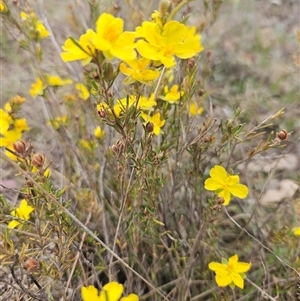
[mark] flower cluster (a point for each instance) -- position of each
(230, 272)
(41, 83)
(37, 30)
(111, 291)
(11, 127)
(225, 185)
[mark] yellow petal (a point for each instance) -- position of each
(219, 172)
(223, 280)
(13, 224)
(211, 184)
(89, 293)
(296, 231)
(111, 291)
(131, 297)
(237, 280)
(225, 194)
(239, 190)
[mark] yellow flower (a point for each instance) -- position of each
(87, 144)
(143, 103)
(41, 29)
(138, 71)
(147, 104)
(21, 125)
(230, 272)
(83, 92)
(111, 39)
(3, 7)
(108, 38)
(155, 120)
(296, 231)
(37, 88)
(10, 137)
(172, 95)
(69, 98)
(17, 100)
(22, 212)
(194, 109)
(111, 291)
(54, 80)
(163, 43)
(58, 121)
(98, 133)
(225, 185)
(79, 50)
(123, 104)
(6, 120)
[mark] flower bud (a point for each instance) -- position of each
(102, 113)
(19, 147)
(108, 71)
(191, 63)
(163, 7)
(149, 127)
(208, 55)
(200, 92)
(31, 264)
(38, 160)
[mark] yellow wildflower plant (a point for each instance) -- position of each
(83, 92)
(225, 185)
(172, 95)
(194, 109)
(37, 88)
(296, 231)
(164, 43)
(155, 120)
(111, 291)
(108, 38)
(38, 30)
(138, 71)
(230, 272)
(22, 213)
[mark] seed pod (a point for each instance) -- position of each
(19, 147)
(282, 135)
(38, 160)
